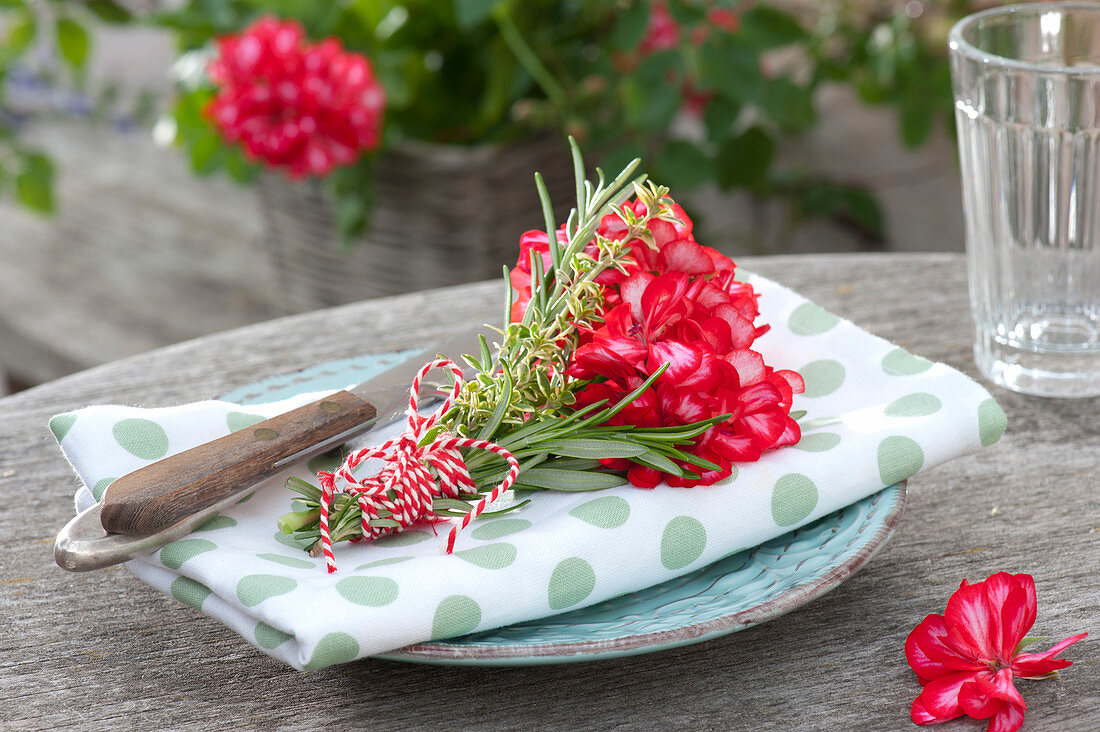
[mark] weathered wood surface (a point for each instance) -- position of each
(103, 649)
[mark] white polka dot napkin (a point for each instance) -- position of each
(875, 414)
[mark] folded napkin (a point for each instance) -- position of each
(875, 414)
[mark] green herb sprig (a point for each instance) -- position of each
(521, 399)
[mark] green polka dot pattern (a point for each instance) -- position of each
(818, 441)
(682, 542)
(455, 615)
(898, 458)
(822, 377)
(810, 319)
(794, 497)
(175, 554)
(499, 527)
(609, 512)
(100, 487)
(61, 424)
(189, 592)
(369, 591)
(255, 588)
(991, 422)
(900, 362)
(571, 582)
(334, 648)
(239, 420)
(490, 556)
(914, 405)
(142, 438)
(269, 637)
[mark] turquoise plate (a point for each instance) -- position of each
(732, 594)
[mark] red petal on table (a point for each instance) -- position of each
(987, 692)
(1027, 665)
(974, 626)
(940, 697)
(931, 654)
(1008, 718)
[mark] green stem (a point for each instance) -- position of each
(530, 60)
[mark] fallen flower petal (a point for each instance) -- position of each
(967, 658)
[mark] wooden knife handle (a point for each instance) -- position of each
(159, 495)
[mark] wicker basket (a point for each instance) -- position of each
(444, 215)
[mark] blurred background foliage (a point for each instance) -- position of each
(707, 93)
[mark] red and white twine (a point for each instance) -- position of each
(413, 475)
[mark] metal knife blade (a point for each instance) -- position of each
(157, 504)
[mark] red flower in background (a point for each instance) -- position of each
(966, 659)
(663, 32)
(302, 107)
(679, 303)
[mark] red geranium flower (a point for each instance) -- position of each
(675, 302)
(304, 108)
(966, 659)
(694, 326)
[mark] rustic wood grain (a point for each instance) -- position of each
(103, 649)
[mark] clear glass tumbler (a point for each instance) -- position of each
(1027, 101)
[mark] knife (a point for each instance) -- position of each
(155, 505)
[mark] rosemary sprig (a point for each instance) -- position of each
(521, 398)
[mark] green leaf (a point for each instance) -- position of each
(108, 12)
(659, 462)
(788, 104)
(767, 27)
(569, 480)
(847, 203)
(651, 107)
(468, 13)
(592, 448)
(203, 154)
(917, 118)
(34, 185)
(744, 160)
(616, 157)
(683, 166)
(499, 410)
(731, 66)
(687, 12)
(21, 31)
(442, 503)
(663, 67)
(72, 41)
(719, 116)
(631, 26)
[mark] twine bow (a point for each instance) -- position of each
(414, 474)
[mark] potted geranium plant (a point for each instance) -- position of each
(456, 103)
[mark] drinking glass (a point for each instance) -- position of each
(1026, 80)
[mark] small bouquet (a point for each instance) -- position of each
(625, 356)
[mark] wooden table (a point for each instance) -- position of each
(103, 649)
